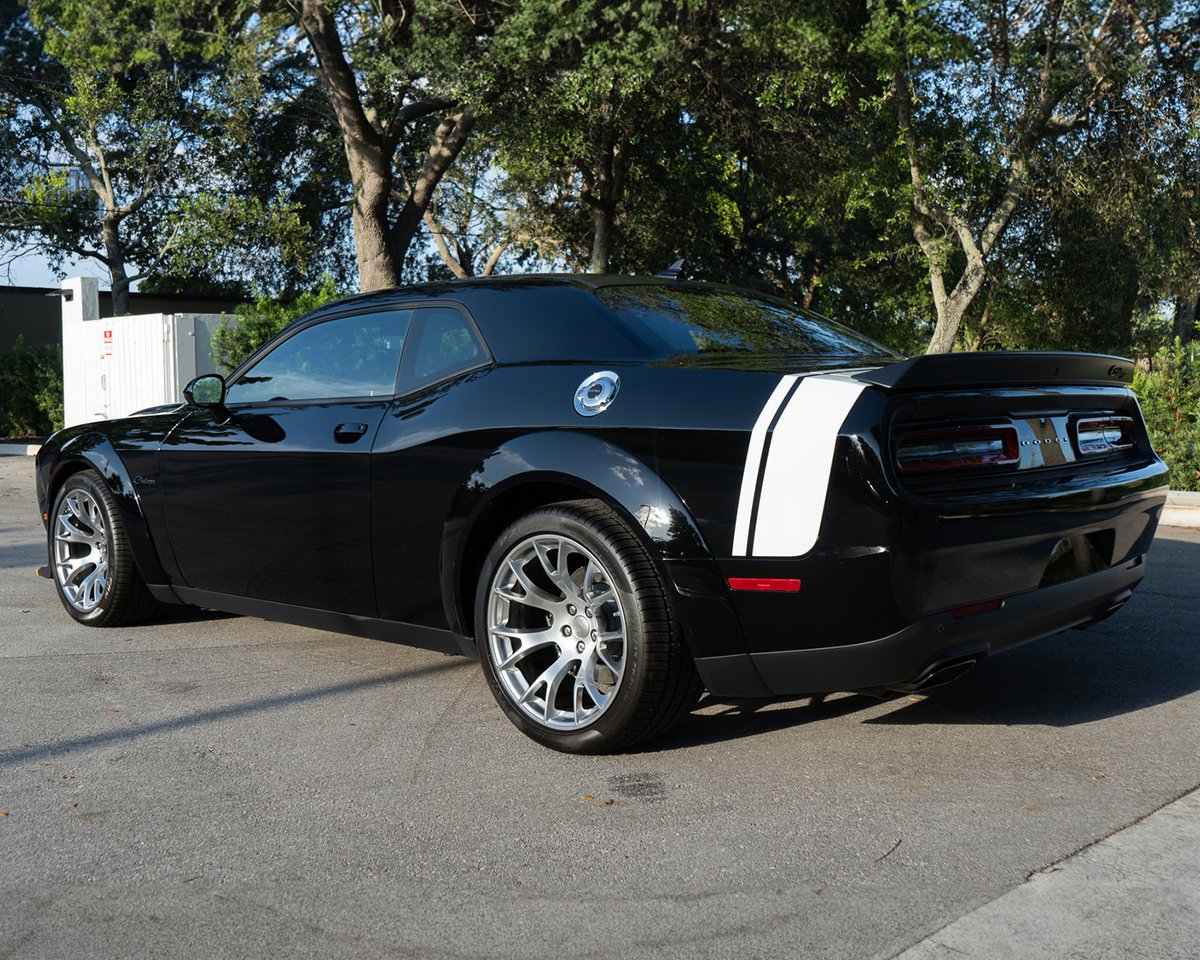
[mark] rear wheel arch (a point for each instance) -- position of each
(525, 475)
(516, 500)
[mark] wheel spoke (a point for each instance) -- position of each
(561, 670)
(593, 691)
(531, 641)
(534, 595)
(74, 569)
(70, 533)
(607, 660)
(91, 587)
(557, 572)
(73, 505)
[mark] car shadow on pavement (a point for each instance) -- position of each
(40, 751)
(179, 613)
(1065, 680)
(736, 720)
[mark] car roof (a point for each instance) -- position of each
(442, 288)
(540, 317)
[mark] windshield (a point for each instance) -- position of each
(717, 322)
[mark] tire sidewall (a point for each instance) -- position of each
(610, 726)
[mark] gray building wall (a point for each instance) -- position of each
(35, 313)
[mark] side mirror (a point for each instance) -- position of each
(206, 391)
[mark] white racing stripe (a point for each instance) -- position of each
(799, 459)
(758, 436)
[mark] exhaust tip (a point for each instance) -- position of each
(937, 676)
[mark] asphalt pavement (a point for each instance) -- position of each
(214, 786)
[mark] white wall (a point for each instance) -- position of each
(115, 366)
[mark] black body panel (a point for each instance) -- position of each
(290, 502)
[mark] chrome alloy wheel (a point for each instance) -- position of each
(81, 550)
(556, 633)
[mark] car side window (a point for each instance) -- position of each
(445, 342)
(346, 357)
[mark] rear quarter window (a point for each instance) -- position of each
(712, 321)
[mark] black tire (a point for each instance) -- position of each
(656, 684)
(87, 537)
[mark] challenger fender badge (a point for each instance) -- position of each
(596, 393)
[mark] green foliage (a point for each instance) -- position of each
(253, 324)
(31, 390)
(137, 100)
(1169, 393)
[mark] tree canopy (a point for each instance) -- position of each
(967, 174)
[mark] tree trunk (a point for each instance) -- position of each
(448, 142)
(951, 306)
(950, 313)
(114, 255)
(602, 227)
(1185, 318)
(605, 193)
(377, 268)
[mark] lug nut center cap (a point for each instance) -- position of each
(581, 626)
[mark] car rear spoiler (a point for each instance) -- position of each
(1000, 368)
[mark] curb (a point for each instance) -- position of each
(1131, 894)
(1182, 509)
(19, 449)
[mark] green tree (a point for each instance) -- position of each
(984, 93)
(1169, 391)
(105, 107)
(253, 324)
(403, 82)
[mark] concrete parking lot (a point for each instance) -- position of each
(217, 786)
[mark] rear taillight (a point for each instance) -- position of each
(1098, 435)
(955, 448)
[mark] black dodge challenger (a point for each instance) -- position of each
(616, 492)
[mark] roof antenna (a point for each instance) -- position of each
(673, 272)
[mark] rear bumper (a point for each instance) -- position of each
(909, 658)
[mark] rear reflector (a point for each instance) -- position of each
(764, 584)
(975, 609)
(1099, 435)
(955, 448)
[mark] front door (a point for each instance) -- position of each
(269, 497)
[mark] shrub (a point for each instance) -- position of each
(1169, 392)
(31, 390)
(253, 324)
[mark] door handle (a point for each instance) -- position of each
(348, 432)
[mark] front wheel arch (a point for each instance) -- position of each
(95, 452)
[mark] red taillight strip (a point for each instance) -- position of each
(765, 584)
(974, 609)
(955, 448)
(1114, 433)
